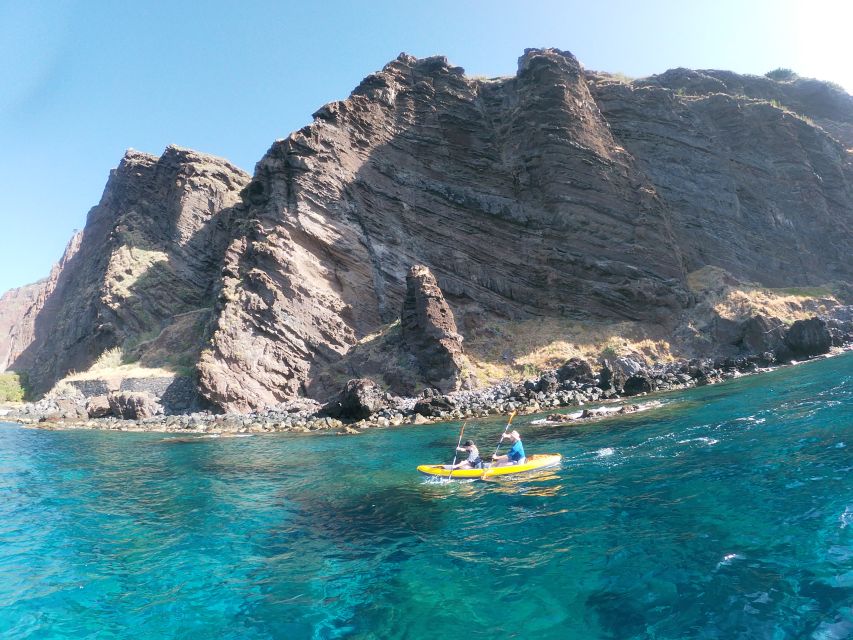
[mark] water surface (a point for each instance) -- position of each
(726, 513)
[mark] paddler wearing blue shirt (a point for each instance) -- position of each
(515, 455)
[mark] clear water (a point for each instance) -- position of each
(727, 513)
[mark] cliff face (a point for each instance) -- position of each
(754, 187)
(20, 308)
(150, 250)
(555, 193)
(512, 192)
(17, 308)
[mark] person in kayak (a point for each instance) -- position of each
(515, 455)
(474, 461)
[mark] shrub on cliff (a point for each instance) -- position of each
(781, 74)
(12, 387)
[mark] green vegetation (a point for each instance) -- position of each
(781, 75)
(804, 292)
(12, 387)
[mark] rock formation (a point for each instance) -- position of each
(359, 399)
(18, 307)
(753, 186)
(429, 332)
(552, 193)
(150, 251)
(807, 338)
(130, 405)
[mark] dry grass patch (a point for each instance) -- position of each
(519, 349)
(719, 292)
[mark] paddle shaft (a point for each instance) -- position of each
(456, 453)
(506, 428)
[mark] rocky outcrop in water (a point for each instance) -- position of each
(358, 401)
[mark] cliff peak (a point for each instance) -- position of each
(562, 59)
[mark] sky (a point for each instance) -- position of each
(81, 81)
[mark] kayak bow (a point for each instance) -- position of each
(533, 463)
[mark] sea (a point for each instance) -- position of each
(725, 512)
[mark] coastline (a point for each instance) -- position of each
(501, 399)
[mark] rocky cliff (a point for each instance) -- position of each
(553, 195)
(20, 309)
(150, 251)
(756, 181)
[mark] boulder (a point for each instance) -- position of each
(577, 370)
(359, 399)
(760, 334)
(429, 332)
(726, 332)
(616, 371)
(636, 384)
(98, 407)
(70, 408)
(807, 338)
(432, 406)
(134, 405)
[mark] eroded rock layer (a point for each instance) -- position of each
(21, 307)
(754, 187)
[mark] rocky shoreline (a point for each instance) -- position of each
(363, 404)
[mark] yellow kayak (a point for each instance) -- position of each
(534, 462)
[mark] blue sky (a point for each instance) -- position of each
(82, 80)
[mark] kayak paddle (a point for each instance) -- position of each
(506, 428)
(456, 452)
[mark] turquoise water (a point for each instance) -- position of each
(726, 513)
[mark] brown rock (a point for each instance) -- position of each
(98, 407)
(550, 194)
(429, 332)
(358, 401)
(131, 405)
(19, 309)
(151, 251)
